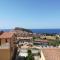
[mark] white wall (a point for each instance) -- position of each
(42, 56)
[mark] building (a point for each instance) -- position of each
(41, 42)
(25, 40)
(7, 40)
(7, 37)
(5, 53)
(50, 54)
(21, 33)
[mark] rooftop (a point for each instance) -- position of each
(24, 37)
(41, 40)
(51, 53)
(7, 35)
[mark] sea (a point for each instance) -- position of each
(46, 31)
(37, 30)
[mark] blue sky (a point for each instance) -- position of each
(40, 14)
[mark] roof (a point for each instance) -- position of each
(45, 41)
(51, 53)
(24, 37)
(7, 35)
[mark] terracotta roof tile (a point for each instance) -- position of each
(7, 35)
(51, 53)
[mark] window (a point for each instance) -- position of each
(6, 41)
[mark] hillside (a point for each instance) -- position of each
(23, 29)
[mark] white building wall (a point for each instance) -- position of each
(42, 56)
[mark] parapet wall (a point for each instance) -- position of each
(5, 54)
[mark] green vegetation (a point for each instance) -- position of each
(30, 56)
(36, 38)
(54, 43)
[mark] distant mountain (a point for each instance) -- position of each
(23, 29)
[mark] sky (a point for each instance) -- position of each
(32, 14)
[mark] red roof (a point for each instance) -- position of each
(51, 53)
(7, 35)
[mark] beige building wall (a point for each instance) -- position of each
(8, 40)
(2, 41)
(5, 54)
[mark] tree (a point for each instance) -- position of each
(44, 38)
(30, 56)
(34, 38)
(54, 43)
